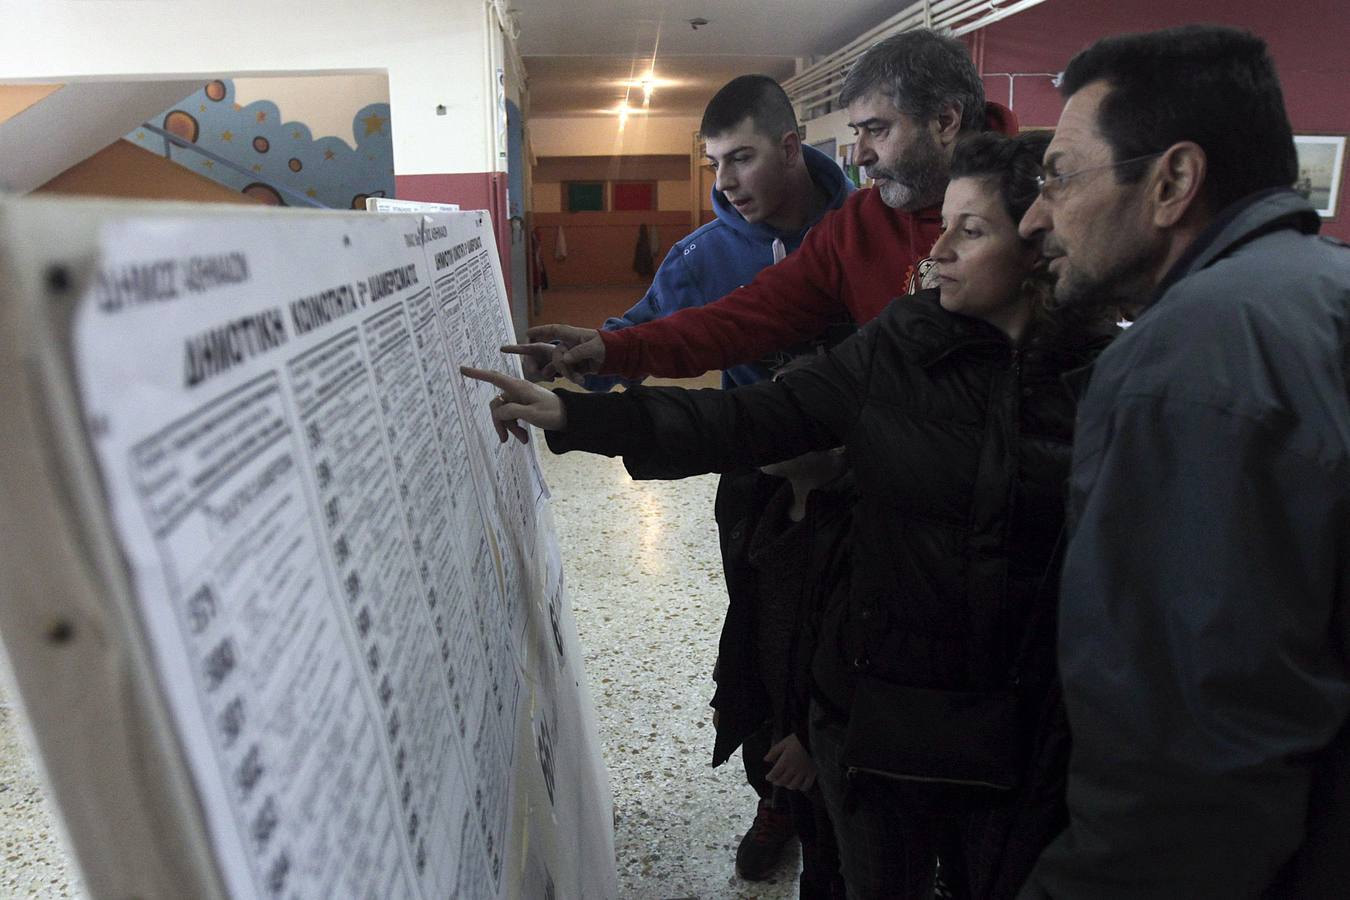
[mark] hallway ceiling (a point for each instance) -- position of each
(576, 52)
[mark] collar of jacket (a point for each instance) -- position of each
(932, 333)
(1242, 221)
(1077, 380)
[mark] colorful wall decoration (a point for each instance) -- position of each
(282, 160)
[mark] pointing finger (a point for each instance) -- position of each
(498, 380)
(545, 332)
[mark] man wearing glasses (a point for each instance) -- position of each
(1204, 629)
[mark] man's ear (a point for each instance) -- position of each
(947, 124)
(791, 145)
(1177, 182)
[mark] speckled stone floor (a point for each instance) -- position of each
(33, 863)
(645, 580)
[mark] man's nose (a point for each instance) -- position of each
(1036, 220)
(724, 180)
(865, 155)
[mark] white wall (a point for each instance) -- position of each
(672, 196)
(600, 136)
(547, 196)
(327, 103)
(831, 125)
(435, 52)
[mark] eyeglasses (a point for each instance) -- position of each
(1044, 183)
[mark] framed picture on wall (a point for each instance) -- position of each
(585, 196)
(634, 195)
(1321, 159)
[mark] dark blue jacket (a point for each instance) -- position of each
(1204, 628)
(719, 257)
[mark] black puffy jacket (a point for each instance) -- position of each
(960, 445)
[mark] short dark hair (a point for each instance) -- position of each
(1011, 163)
(756, 97)
(1208, 84)
(919, 71)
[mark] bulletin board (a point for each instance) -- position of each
(285, 619)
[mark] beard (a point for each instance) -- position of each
(1121, 281)
(917, 179)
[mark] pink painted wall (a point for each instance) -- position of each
(471, 190)
(1307, 38)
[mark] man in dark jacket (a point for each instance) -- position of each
(1204, 630)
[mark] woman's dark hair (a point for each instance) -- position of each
(1012, 163)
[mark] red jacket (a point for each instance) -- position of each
(854, 262)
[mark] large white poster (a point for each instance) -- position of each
(348, 587)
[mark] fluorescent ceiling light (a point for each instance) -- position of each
(647, 82)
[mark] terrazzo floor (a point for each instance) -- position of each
(33, 863)
(645, 580)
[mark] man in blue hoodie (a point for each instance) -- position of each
(771, 188)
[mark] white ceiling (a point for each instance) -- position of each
(577, 50)
(591, 85)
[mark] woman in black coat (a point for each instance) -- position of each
(935, 717)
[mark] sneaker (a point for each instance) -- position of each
(763, 844)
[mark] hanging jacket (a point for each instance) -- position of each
(538, 272)
(718, 258)
(741, 699)
(654, 239)
(642, 253)
(850, 265)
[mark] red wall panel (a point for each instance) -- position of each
(1307, 38)
(471, 190)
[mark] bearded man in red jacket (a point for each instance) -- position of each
(909, 98)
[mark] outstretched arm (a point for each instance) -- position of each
(578, 353)
(674, 433)
(784, 305)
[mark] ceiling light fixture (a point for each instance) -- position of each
(651, 78)
(695, 23)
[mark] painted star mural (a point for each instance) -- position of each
(282, 160)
